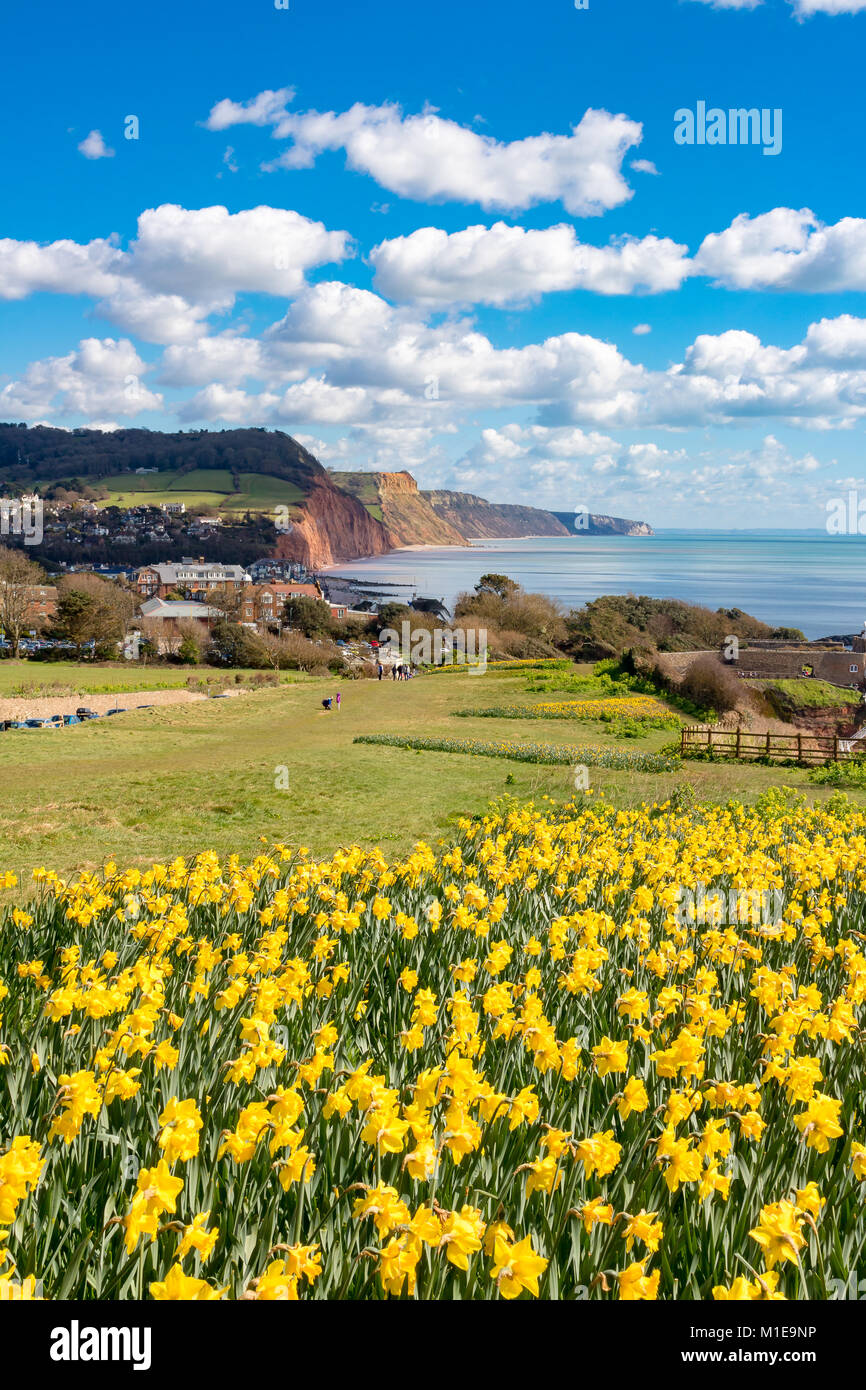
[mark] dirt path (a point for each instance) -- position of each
(45, 706)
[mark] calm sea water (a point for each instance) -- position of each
(803, 579)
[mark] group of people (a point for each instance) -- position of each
(402, 672)
(398, 673)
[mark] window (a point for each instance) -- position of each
(853, 669)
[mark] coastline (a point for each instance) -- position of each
(807, 580)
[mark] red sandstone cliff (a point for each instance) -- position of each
(332, 527)
(405, 513)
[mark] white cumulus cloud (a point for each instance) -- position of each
(502, 263)
(786, 249)
(103, 377)
(431, 159)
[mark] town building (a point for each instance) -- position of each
(262, 605)
(189, 577)
(41, 605)
(164, 616)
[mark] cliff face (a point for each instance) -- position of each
(339, 516)
(333, 527)
(405, 513)
(481, 520)
(600, 525)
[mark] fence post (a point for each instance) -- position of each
(835, 748)
(799, 748)
(768, 743)
(738, 740)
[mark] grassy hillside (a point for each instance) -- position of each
(48, 454)
(202, 487)
(807, 694)
(153, 784)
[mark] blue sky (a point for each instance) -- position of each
(423, 237)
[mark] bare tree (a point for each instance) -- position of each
(227, 600)
(151, 632)
(193, 634)
(19, 575)
(110, 607)
(275, 650)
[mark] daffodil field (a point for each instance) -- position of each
(558, 754)
(642, 707)
(569, 1055)
(505, 667)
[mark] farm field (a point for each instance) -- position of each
(152, 784)
(201, 487)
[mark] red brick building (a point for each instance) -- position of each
(262, 604)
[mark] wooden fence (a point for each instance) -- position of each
(737, 743)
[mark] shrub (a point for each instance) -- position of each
(711, 685)
(844, 774)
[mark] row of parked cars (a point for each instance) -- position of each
(28, 645)
(60, 721)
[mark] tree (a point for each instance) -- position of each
(233, 645)
(18, 575)
(187, 652)
(74, 620)
(712, 686)
(228, 601)
(91, 609)
(310, 616)
(498, 584)
(393, 614)
(191, 643)
(151, 639)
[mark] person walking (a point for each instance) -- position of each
(339, 698)
(381, 670)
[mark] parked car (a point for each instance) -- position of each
(117, 710)
(12, 724)
(84, 713)
(38, 724)
(71, 719)
(145, 707)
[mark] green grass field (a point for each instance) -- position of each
(201, 487)
(153, 784)
(38, 678)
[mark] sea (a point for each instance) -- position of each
(804, 579)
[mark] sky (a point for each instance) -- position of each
(523, 250)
